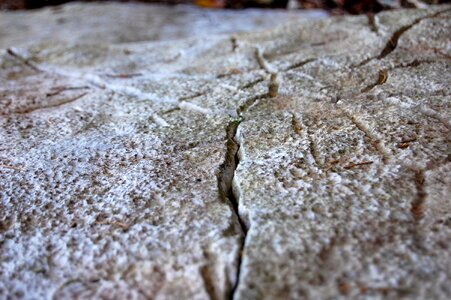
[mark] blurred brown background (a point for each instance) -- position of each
(335, 6)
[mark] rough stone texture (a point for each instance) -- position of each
(306, 161)
(113, 23)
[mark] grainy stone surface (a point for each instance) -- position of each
(308, 161)
(135, 22)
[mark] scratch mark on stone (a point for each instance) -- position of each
(193, 107)
(300, 64)
(252, 84)
(314, 149)
(58, 90)
(24, 61)
(413, 64)
(191, 96)
(374, 141)
(352, 165)
(124, 76)
(159, 120)
(12, 167)
(95, 81)
(171, 110)
(54, 105)
(418, 108)
(418, 204)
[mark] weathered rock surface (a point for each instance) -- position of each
(112, 23)
(306, 161)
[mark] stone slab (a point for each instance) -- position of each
(305, 161)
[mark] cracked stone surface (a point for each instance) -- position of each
(306, 161)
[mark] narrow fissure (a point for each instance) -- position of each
(225, 178)
(227, 169)
(392, 43)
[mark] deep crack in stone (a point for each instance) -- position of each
(225, 178)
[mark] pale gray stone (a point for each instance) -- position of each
(135, 22)
(305, 161)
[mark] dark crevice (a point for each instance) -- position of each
(227, 170)
(225, 178)
(393, 42)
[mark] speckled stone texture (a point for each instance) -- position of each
(307, 161)
(92, 23)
